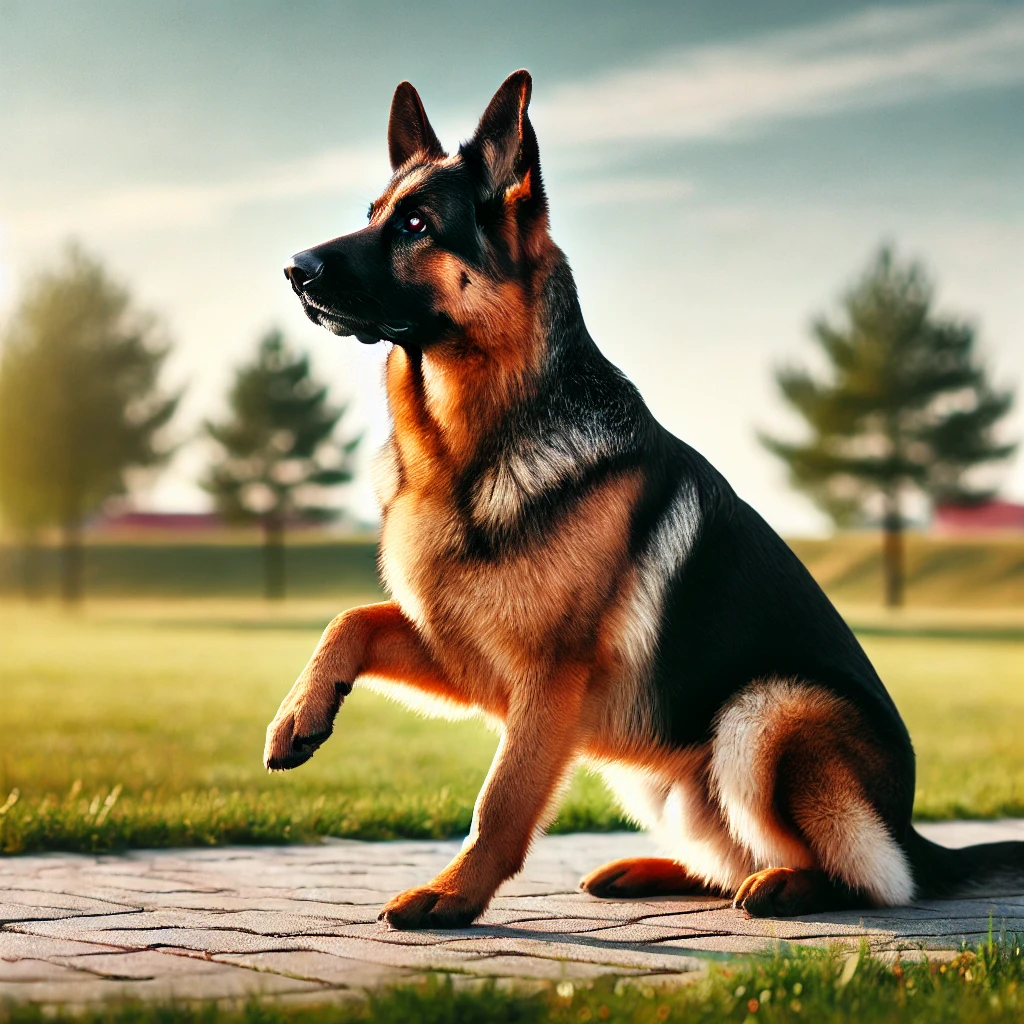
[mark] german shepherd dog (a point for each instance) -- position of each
(561, 563)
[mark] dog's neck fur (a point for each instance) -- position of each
(503, 435)
(445, 399)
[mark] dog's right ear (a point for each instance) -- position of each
(409, 131)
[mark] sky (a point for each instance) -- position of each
(718, 173)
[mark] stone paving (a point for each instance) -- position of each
(300, 922)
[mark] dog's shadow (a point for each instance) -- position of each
(947, 923)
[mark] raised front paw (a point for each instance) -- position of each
(304, 720)
(427, 907)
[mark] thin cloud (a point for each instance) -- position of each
(878, 58)
(612, 190)
(171, 206)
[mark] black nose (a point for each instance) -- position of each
(302, 270)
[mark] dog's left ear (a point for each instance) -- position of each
(409, 131)
(504, 148)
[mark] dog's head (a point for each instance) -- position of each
(452, 242)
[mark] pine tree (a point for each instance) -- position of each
(277, 451)
(905, 408)
(79, 403)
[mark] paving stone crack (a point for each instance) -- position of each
(85, 915)
(62, 892)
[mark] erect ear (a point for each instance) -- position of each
(409, 131)
(505, 145)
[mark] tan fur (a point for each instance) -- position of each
(640, 877)
(405, 181)
(492, 636)
(818, 742)
(444, 403)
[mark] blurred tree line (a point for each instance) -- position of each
(82, 410)
(904, 409)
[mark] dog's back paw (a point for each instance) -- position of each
(788, 892)
(635, 877)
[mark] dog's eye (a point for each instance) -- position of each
(414, 223)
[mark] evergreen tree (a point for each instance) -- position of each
(79, 403)
(905, 407)
(278, 451)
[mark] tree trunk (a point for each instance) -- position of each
(30, 569)
(71, 563)
(892, 552)
(273, 558)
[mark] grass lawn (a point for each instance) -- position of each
(140, 723)
(982, 985)
(158, 709)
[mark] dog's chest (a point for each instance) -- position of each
(507, 612)
(476, 610)
(417, 545)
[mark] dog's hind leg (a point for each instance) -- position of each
(804, 788)
(687, 823)
(785, 892)
(637, 877)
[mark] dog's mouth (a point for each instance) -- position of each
(368, 332)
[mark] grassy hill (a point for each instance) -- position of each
(222, 565)
(941, 571)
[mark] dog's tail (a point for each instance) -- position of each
(989, 869)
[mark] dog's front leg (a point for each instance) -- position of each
(376, 639)
(536, 749)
